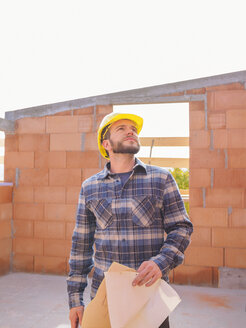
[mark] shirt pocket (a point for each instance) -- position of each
(103, 212)
(144, 210)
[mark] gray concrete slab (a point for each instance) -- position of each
(35, 300)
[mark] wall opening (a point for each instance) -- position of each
(165, 139)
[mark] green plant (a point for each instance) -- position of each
(182, 179)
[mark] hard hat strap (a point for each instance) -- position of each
(104, 131)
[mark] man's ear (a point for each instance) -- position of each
(106, 144)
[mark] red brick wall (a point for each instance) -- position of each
(53, 155)
(217, 185)
(5, 228)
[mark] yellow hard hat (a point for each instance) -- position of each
(111, 118)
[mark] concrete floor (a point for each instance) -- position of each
(34, 300)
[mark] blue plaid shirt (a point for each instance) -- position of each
(127, 224)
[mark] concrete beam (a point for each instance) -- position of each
(7, 125)
(147, 95)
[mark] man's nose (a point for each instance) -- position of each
(130, 131)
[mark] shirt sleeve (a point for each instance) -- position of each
(177, 226)
(81, 261)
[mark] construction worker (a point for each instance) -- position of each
(125, 210)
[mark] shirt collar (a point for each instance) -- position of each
(139, 166)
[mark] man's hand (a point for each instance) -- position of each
(148, 273)
(75, 316)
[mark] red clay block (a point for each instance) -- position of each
(237, 138)
(4, 265)
(28, 211)
(204, 256)
(224, 197)
(6, 194)
(79, 159)
(65, 141)
(49, 194)
(23, 228)
(195, 197)
(200, 178)
(60, 212)
(30, 125)
(23, 263)
(5, 229)
(72, 195)
(216, 120)
(69, 230)
(19, 159)
(44, 229)
(61, 124)
(199, 139)
(229, 237)
(84, 111)
(50, 264)
(34, 177)
(220, 139)
(23, 194)
(99, 119)
(90, 141)
(236, 119)
(34, 142)
(28, 246)
(238, 218)
(196, 91)
(54, 159)
(196, 105)
(9, 175)
(104, 109)
(6, 211)
(11, 142)
(85, 123)
(173, 94)
(203, 158)
(193, 275)
(56, 247)
(237, 158)
(201, 236)
(227, 100)
(88, 172)
(209, 217)
(230, 178)
(65, 177)
(197, 120)
(235, 257)
(5, 247)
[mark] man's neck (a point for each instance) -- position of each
(120, 163)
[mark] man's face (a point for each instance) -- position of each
(124, 138)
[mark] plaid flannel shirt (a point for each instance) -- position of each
(127, 225)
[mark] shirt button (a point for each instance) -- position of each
(123, 240)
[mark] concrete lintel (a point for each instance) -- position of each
(52, 109)
(147, 95)
(7, 125)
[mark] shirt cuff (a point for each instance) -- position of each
(75, 300)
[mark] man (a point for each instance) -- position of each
(125, 210)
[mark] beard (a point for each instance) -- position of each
(120, 148)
